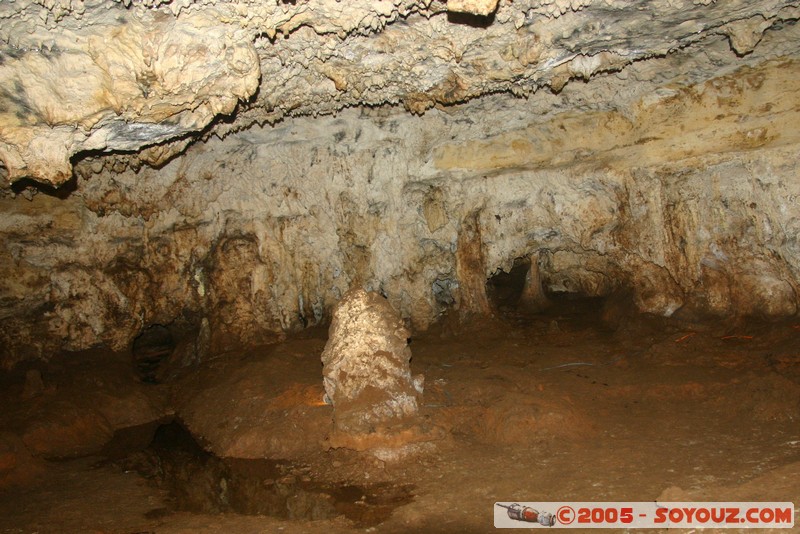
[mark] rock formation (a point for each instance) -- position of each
(242, 165)
(119, 76)
(366, 370)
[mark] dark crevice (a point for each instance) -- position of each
(150, 349)
(504, 289)
(198, 481)
(468, 19)
(30, 187)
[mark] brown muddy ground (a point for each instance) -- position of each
(545, 407)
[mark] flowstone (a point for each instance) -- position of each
(367, 375)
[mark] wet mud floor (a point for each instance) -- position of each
(548, 407)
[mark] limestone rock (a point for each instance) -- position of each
(666, 173)
(474, 7)
(366, 367)
(105, 76)
(471, 269)
(533, 297)
(123, 81)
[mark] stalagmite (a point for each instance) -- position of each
(533, 298)
(471, 269)
(366, 371)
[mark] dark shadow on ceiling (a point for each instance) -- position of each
(468, 19)
(63, 191)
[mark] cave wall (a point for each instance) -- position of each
(678, 187)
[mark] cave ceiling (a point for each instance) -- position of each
(148, 77)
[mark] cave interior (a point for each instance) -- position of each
(323, 266)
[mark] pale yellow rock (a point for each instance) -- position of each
(473, 7)
(126, 82)
(84, 78)
(725, 114)
(366, 367)
(435, 211)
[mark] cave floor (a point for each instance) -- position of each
(549, 407)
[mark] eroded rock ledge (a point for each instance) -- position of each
(106, 76)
